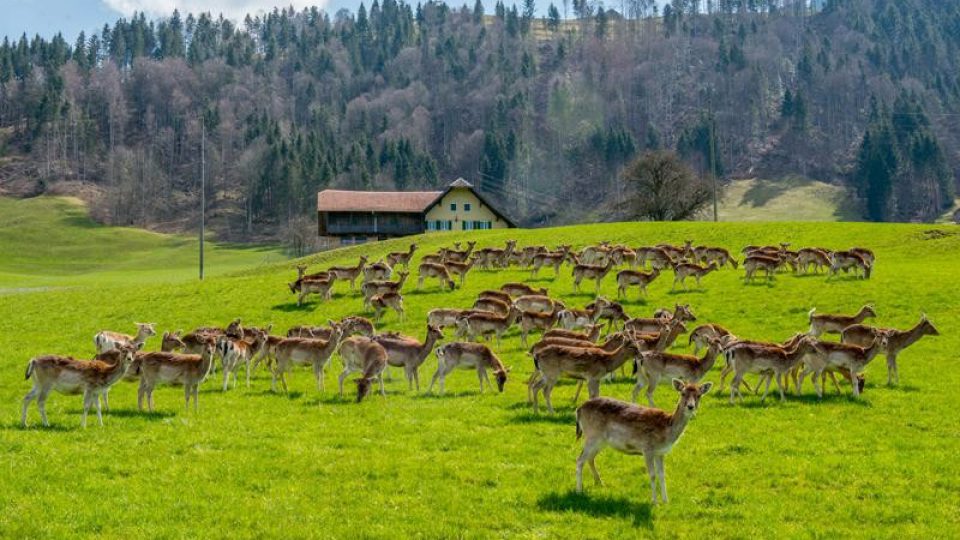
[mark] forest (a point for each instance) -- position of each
(541, 113)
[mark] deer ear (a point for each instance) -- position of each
(678, 385)
(705, 388)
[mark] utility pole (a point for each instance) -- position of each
(203, 185)
(713, 163)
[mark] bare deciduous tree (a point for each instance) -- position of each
(660, 187)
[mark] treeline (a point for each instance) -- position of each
(540, 114)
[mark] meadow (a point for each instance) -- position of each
(257, 464)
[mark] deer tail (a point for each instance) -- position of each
(29, 370)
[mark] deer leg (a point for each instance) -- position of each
(247, 363)
(780, 386)
(652, 473)
(641, 381)
(105, 397)
(42, 405)
(833, 377)
(317, 375)
(662, 473)
(343, 375)
(480, 377)
(31, 395)
(196, 397)
(891, 368)
(140, 391)
(855, 384)
(436, 375)
(547, 392)
(186, 395)
(651, 387)
(383, 390)
(576, 395)
(150, 399)
(593, 388)
(86, 407)
(766, 389)
(590, 450)
(486, 377)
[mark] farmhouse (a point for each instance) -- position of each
(352, 217)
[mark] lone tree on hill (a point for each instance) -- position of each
(661, 187)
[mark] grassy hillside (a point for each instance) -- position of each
(787, 199)
(256, 464)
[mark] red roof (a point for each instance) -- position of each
(334, 200)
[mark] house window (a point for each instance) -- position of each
(465, 225)
(431, 225)
(466, 207)
(453, 207)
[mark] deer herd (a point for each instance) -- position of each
(571, 342)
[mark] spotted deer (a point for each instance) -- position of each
(452, 255)
(755, 263)
(434, 270)
(238, 352)
(106, 340)
(401, 257)
(815, 257)
(552, 259)
(187, 370)
(172, 342)
(313, 352)
(70, 376)
(848, 260)
(823, 323)
(658, 257)
(366, 356)
(530, 321)
(632, 429)
(751, 358)
(719, 255)
(467, 355)
(320, 287)
(844, 356)
(444, 317)
(409, 353)
(382, 302)
(349, 273)
(609, 311)
(897, 341)
(672, 328)
(656, 365)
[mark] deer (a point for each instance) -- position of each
(501, 257)
(572, 319)
(721, 256)
(381, 302)
(468, 355)
(592, 333)
(304, 351)
(754, 358)
(554, 259)
(847, 260)
(378, 271)
(236, 352)
(754, 263)
(434, 270)
(635, 278)
(401, 257)
(815, 257)
(612, 312)
(824, 323)
(106, 340)
(187, 370)
(632, 429)
(530, 320)
(590, 271)
(433, 258)
(70, 376)
(841, 356)
(522, 289)
(444, 317)
(370, 289)
(321, 287)
(537, 303)
(408, 353)
(459, 269)
(353, 325)
(366, 356)
(681, 271)
(348, 273)
(452, 255)
(897, 341)
(171, 342)
(657, 364)
(492, 305)
(485, 323)
(643, 325)
(865, 254)
(499, 295)
(589, 364)
(658, 258)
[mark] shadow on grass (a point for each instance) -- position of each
(134, 413)
(450, 395)
(764, 191)
(564, 416)
(54, 427)
(571, 501)
(293, 307)
(296, 394)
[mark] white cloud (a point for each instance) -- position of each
(232, 9)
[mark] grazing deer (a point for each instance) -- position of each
(378, 271)
(847, 260)
(459, 269)
(106, 340)
(236, 352)
(349, 273)
(721, 256)
(366, 356)
(187, 370)
(815, 257)
(321, 287)
(612, 343)
(657, 257)
(590, 271)
(486, 323)
(408, 353)
(467, 355)
(401, 257)
(865, 254)
(632, 429)
(70, 376)
(304, 351)
(681, 271)
(753, 358)
(656, 365)
(370, 289)
(897, 341)
(537, 303)
(844, 357)
(499, 295)
(530, 320)
(754, 263)
(592, 333)
(381, 302)
(444, 317)
(589, 364)
(612, 312)
(637, 278)
(522, 289)
(492, 305)
(452, 255)
(434, 270)
(834, 324)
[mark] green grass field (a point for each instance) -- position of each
(256, 464)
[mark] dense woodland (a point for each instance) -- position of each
(541, 113)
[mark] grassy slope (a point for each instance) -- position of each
(253, 464)
(786, 199)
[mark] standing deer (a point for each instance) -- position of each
(522, 289)
(656, 365)
(320, 286)
(106, 340)
(434, 270)
(364, 355)
(236, 352)
(188, 370)
(304, 351)
(754, 263)
(753, 358)
(485, 323)
(459, 269)
(834, 324)
(842, 356)
(468, 356)
(452, 255)
(554, 259)
(349, 273)
(631, 429)
(590, 271)
(378, 271)
(408, 353)
(589, 364)
(897, 341)
(681, 271)
(847, 260)
(637, 278)
(381, 302)
(530, 320)
(70, 376)
(815, 257)
(401, 257)
(370, 289)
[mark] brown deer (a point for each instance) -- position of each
(612, 312)
(408, 353)
(635, 278)
(366, 356)
(444, 317)
(316, 353)
(467, 355)
(752, 358)
(553, 259)
(848, 260)
(499, 295)
(530, 321)
(492, 305)
(672, 327)
(378, 271)
(370, 289)
(834, 324)
(707, 254)
(350, 326)
(656, 365)
(187, 370)
(401, 257)
(589, 364)
(522, 289)
(106, 340)
(897, 341)
(632, 429)
(70, 376)
(590, 271)
(459, 269)
(486, 323)
(349, 273)
(432, 258)
(434, 270)
(681, 271)
(701, 336)
(171, 342)
(381, 302)
(452, 255)
(815, 257)
(537, 303)
(321, 287)
(592, 333)
(865, 254)
(755, 263)
(236, 352)
(658, 257)
(841, 356)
